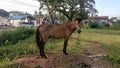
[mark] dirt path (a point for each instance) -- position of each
(97, 56)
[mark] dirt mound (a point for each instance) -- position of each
(93, 57)
(57, 61)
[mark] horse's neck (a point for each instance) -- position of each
(71, 26)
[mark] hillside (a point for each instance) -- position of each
(4, 13)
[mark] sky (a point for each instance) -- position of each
(19, 5)
(109, 8)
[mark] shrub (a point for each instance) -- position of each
(22, 47)
(94, 25)
(13, 36)
(114, 58)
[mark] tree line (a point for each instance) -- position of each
(68, 8)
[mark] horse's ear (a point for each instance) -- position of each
(78, 20)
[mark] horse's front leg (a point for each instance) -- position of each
(65, 46)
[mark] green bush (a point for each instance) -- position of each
(116, 26)
(13, 36)
(94, 25)
(22, 47)
(114, 58)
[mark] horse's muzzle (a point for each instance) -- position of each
(79, 31)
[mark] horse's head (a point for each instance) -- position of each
(78, 24)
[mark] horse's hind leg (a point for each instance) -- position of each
(42, 53)
(65, 46)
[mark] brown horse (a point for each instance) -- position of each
(56, 31)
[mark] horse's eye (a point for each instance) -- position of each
(76, 22)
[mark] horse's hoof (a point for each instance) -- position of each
(44, 57)
(66, 53)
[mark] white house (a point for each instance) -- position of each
(102, 20)
(16, 21)
(4, 20)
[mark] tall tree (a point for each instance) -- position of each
(69, 8)
(46, 3)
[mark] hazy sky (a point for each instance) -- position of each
(105, 7)
(108, 7)
(19, 5)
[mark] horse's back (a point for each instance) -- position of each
(53, 31)
(53, 27)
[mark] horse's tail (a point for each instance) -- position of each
(38, 38)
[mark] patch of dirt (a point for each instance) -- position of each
(58, 60)
(92, 57)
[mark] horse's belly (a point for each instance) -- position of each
(58, 35)
(58, 32)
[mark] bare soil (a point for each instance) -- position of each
(92, 57)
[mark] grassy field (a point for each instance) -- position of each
(109, 41)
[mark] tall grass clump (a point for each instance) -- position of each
(11, 52)
(13, 36)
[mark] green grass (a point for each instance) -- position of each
(8, 37)
(11, 52)
(109, 39)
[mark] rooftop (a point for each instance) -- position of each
(21, 17)
(99, 18)
(17, 17)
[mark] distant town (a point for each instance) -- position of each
(17, 19)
